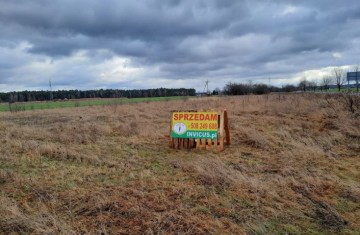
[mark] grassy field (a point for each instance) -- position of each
(293, 168)
(344, 90)
(22, 106)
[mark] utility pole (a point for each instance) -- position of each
(206, 88)
(50, 92)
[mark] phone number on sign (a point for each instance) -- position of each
(204, 126)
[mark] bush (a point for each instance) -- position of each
(245, 89)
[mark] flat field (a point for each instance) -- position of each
(293, 168)
(22, 106)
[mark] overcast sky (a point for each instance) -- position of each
(129, 44)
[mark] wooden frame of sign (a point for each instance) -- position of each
(223, 137)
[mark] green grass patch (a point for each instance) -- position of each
(15, 107)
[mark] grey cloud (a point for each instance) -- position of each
(125, 19)
(185, 39)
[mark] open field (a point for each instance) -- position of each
(344, 90)
(21, 106)
(293, 168)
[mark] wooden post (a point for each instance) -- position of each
(171, 140)
(203, 143)
(209, 143)
(221, 132)
(181, 143)
(226, 126)
(198, 143)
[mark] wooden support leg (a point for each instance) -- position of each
(171, 140)
(209, 144)
(191, 143)
(186, 143)
(226, 126)
(198, 144)
(181, 143)
(203, 144)
(221, 132)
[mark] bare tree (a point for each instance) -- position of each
(357, 78)
(312, 85)
(325, 82)
(317, 83)
(339, 77)
(303, 84)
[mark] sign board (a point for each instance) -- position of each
(353, 76)
(194, 125)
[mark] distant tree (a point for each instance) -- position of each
(289, 88)
(357, 79)
(21, 97)
(250, 84)
(303, 84)
(244, 89)
(325, 82)
(107, 93)
(216, 91)
(260, 89)
(237, 89)
(339, 77)
(274, 89)
(312, 85)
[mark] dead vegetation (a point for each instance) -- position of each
(293, 168)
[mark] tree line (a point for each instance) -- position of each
(257, 89)
(25, 96)
(245, 89)
(336, 79)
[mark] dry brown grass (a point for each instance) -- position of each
(293, 168)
